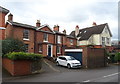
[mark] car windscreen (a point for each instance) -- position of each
(71, 58)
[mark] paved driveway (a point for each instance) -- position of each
(52, 73)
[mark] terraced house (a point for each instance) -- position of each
(40, 39)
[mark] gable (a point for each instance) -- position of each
(45, 28)
(106, 31)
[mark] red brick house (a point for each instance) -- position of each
(40, 39)
(3, 13)
(22, 32)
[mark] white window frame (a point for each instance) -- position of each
(24, 38)
(39, 48)
(58, 47)
(44, 37)
(59, 39)
(103, 41)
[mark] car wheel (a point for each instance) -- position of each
(57, 64)
(68, 66)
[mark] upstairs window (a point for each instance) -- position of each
(108, 40)
(45, 37)
(26, 34)
(59, 39)
(103, 41)
(71, 41)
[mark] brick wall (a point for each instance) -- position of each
(19, 67)
(69, 44)
(93, 57)
(2, 34)
(2, 19)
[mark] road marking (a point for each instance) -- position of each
(102, 77)
(111, 75)
(51, 67)
(87, 81)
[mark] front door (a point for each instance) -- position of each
(49, 50)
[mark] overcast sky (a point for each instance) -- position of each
(66, 13)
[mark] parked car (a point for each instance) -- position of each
(68, 61)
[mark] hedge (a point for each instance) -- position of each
(23, 56)
(117, 56)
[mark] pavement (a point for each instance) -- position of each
(52, 73)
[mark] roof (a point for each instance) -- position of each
(57, 32)
(4, 10)
(86, 33)
(21, 25)
(70, 36)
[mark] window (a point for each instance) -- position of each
(108, 40)
(71, 41)
(26, 46)
(40, 48)
(59, 39)
(45, 37)
(62, 58)
(26, 34)
(58, 49)
(103, 41)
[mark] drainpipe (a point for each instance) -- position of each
(35, 41)
(56, 43)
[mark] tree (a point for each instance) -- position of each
(12, 45)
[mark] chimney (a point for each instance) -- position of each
(64, 31)
(94, 24)
(38, 23)
(56, 28)
(10, 17)
(76, 30)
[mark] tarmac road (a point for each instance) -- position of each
(53, 73)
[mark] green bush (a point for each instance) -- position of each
(23, 56)
(117, 56)
(12, 45)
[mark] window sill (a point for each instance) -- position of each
(40, 51)
(45, 41)
(59, 43)
(58, 53)
(26, 39)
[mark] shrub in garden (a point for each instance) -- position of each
(12, 45)
(117, 56)
(23, 56)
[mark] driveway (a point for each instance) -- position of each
(52, 73)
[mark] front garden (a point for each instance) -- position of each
(16, 61)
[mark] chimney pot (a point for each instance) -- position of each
(64, 31)
(94, 24)
(56, 28)
(76, 30)
(10, 17)
(38, 23)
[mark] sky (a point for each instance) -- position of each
(65, 13)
